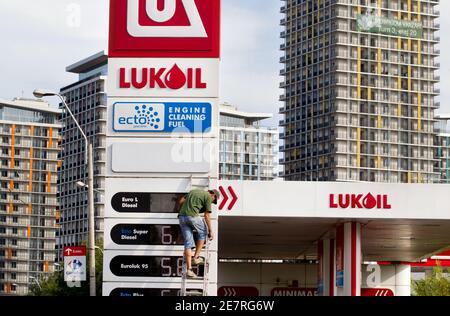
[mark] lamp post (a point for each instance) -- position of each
(37, 281)
(81, 184)
(57, 266)
(40, 93)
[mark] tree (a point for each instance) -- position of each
(54, 285)
(436, 284)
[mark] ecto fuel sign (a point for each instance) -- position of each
(165, 117)
(164, 28)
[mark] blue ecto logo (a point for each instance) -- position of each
(144, 115)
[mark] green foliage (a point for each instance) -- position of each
(436, 284)
(55, 285)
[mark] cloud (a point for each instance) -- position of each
(42, 37)
(250, 56)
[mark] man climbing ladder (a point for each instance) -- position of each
(191, 207)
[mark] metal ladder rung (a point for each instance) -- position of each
(205, 278)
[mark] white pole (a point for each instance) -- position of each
(91, 221)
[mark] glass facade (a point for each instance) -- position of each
(8, 113)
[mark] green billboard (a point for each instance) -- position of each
(381, 25)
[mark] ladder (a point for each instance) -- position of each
(184, 280)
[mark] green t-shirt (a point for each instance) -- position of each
(197, 201)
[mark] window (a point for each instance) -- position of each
(13, 276)
(13, 287)
(14, 253)
(15, 219)
(2, 276)
(2, 242)
(14, 231)
(14, 242)
(2, 230)
(14, 265)
(2, 264)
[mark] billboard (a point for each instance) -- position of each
(380, 25)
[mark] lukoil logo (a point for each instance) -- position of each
(150, 117)
(164, 28)
(162, 78)
(359, 201)
(195, 27)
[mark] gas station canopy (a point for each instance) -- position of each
(284, 220)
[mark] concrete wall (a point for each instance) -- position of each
(266, 277)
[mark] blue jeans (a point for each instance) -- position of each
(188, 224)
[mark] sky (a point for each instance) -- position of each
(39, 38)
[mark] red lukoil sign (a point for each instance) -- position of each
(360, 201)
(162, 78)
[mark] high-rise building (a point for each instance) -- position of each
(87, 100)
(248, 151)
(28, 206)
(359, 90)
(443, 147)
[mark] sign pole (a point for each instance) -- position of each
(92, 286)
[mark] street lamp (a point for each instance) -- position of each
(81, 184)
(57, 266)
(37, 281)
(40, 93)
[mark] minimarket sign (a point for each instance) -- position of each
(381, 25)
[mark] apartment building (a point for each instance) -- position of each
(359, 90)
(442, 128)
(248, 151)
(29, 144)
(87, 100)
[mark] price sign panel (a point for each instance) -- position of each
(149, 198)
(150, 266)
(147, 234)
(151, 289)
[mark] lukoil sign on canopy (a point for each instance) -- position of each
(168, 117)
(163, 28)
(360, 201)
